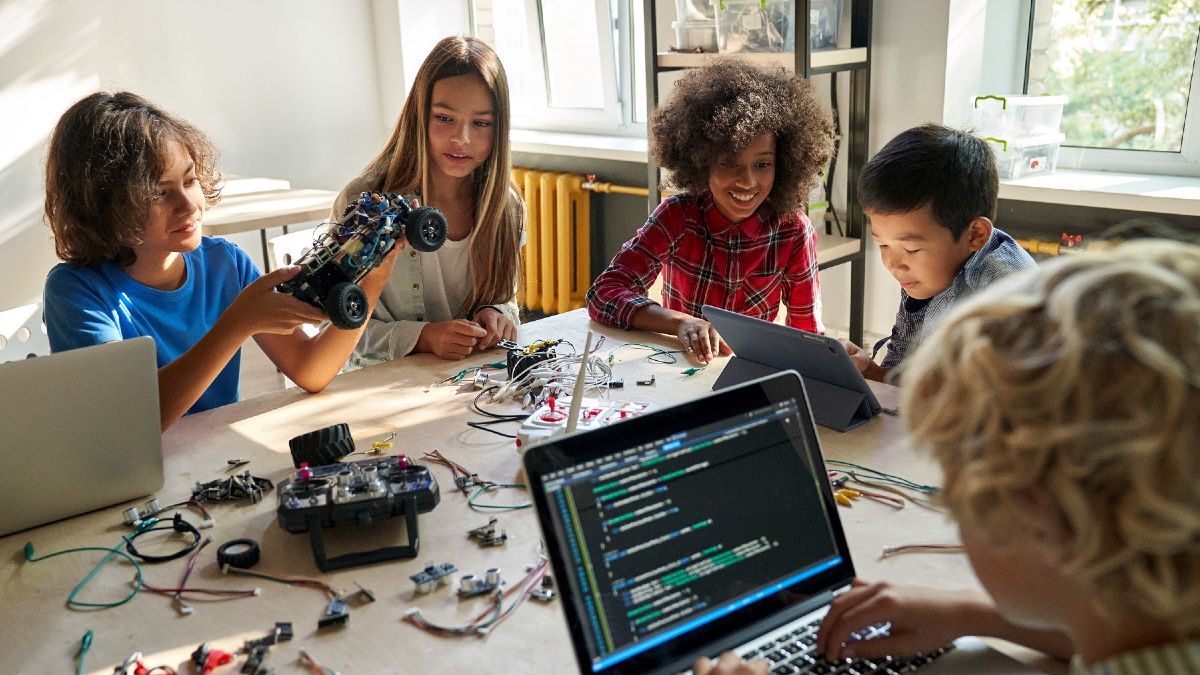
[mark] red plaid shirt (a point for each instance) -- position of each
(707, 260)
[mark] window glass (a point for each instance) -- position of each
(509, 25)
(572, 53)
(1126, 65)
(639, 63)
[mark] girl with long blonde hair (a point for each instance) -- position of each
(450, 149)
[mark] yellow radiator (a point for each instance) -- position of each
(556, 259)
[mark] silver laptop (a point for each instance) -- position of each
(703, 527)
(81, 431)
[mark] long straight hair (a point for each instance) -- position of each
(404, 166)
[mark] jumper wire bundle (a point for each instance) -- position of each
(465, 479)
(503, 604)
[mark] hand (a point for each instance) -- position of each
(922, 619)
(701, 340)
(450, 340)
(729, 664)
(259, 308)
(862, 361)
(497, 325)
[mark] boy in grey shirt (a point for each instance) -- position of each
(931, 196)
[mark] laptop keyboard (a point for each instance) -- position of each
(795, 653)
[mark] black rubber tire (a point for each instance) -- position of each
(425, 229)
(347, 305)
(321, 447)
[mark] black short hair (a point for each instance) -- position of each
(949, 169)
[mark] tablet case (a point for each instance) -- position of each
(839, 396)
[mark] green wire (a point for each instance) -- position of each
(463, 373)
(84, 646)
(116, 550)
(500, 507)
(876, 474)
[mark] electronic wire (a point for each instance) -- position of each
(110, 552)
(657, 354)
(491, 487)
(330, 591)
(495, 613)
(922, 499)
(177, 592)
(314, 667)
(495, 418)
(853, 470)
(207, 522)
(560, 372)
(84, 645)
(464, 478)
(889, 551)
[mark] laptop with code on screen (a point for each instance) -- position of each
(81, 431)
(704, 527)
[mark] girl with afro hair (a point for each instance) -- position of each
(743, 146)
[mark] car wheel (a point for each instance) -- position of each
(425, 229)
(347, 305)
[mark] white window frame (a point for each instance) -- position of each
(615, 118)
(1186, 162)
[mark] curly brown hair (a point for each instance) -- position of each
(720, 108)
(105, 158)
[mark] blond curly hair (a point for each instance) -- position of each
(1079, 380)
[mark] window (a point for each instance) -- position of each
(1129, 68)
(572, 65)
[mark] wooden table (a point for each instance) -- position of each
(262, 210)
(39, 634)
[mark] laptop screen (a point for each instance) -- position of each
(689, 524)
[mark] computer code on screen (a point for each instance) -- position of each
(691, 526)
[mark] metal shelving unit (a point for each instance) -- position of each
(854, 59)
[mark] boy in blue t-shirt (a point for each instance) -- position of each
(931, 196)
(127, 186)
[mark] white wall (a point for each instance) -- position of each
(285, 88)
(908, 78)
(307, 90)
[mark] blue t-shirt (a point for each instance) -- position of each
(91, 305)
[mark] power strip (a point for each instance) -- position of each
(550, 419)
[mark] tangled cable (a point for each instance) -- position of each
(495, 614)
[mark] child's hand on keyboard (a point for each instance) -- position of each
(922, 619)
(729, 663)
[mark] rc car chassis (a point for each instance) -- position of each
(342, 255)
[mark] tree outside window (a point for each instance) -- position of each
(1127, 66)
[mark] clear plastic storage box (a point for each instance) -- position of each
(769, 25)
(1014, 117)
(753, 25)
(1023, 131)
(1027, 156)
(824, 21)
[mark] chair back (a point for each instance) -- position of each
(22, 333)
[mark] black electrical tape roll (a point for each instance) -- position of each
(241, 553)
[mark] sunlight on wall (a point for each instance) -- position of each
(29, 110)
(19, 17)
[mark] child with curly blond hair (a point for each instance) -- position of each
(1062, 404)
(743, 146)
